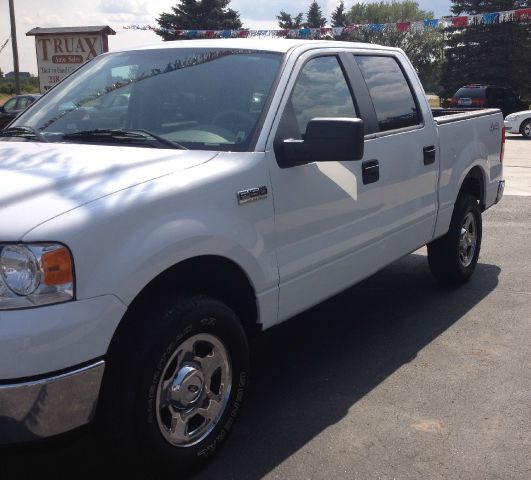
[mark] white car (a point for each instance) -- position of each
(519, 122)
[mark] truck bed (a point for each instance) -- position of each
(445, 115)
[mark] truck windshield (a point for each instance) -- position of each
(193, 98)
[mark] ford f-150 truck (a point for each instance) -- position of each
(163, 204)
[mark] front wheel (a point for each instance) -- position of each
(525, 129)
(177, 383)
(453, 257)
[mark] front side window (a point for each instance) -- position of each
(391, 95)
(200, 98)
(10, 105)
(320, 91)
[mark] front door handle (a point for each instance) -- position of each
(370, 171)
(429, 154)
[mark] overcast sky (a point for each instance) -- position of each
(255, 14)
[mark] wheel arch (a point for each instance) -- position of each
(212, 275)
(474, 184)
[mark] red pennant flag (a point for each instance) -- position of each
(460, 21)
(523, 14)
(403, 26)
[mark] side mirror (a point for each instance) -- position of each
(326, 140)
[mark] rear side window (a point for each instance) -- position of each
(391, 95)
(473, 92)
(495, 94)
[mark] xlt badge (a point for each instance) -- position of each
(252, 194)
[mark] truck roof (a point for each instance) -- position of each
(281, 45)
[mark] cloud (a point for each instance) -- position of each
(129, 7)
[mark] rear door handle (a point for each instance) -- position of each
(429, 154)
(370, 171)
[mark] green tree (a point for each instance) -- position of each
(339, 16)
(387, 12)
(314, 17)
(198, 15)
(286, 21)
(496, 53)
(423, 47)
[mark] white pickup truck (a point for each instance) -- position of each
(162, 205)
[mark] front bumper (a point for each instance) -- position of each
(42, 408)
(52, 338)
(512, 126)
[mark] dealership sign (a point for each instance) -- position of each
(61, 50)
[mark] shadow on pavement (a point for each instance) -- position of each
(516, 136)
(307, 373)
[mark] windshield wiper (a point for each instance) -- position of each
(23, 131)
(121, 134)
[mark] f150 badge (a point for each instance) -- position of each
(252, 194)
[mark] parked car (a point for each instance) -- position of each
(487, 96)
(519, 122)
(15, 106)
(138, 258)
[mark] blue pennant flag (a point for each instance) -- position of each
(490, 18)
(432, 23)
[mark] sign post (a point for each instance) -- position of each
(61, 50)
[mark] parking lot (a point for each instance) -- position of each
(396, 378)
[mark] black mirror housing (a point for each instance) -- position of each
(326, 140)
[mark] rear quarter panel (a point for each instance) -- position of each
(467, 140)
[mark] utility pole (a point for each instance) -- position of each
(14, 44)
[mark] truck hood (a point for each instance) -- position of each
(39, 181)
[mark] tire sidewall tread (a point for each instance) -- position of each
(143, 360)
(443, 253)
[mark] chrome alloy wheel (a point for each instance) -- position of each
(527, 130)
(467, 240)
(193, 390)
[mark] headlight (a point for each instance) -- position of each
(33, 275)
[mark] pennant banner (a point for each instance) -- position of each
(522, 15)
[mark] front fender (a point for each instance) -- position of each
(121, 242)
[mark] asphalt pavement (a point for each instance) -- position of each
(396, 378)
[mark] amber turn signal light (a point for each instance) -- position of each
(57, 267)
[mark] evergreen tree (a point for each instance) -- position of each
(314, 17)
(339, 16)
(286, 21)
(198, 15)
(496, 54)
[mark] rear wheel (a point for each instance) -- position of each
(525, 129)
(453, 257)
(175, 386)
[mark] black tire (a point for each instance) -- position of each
(452, 261)
(131, 408)
(525, 129)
